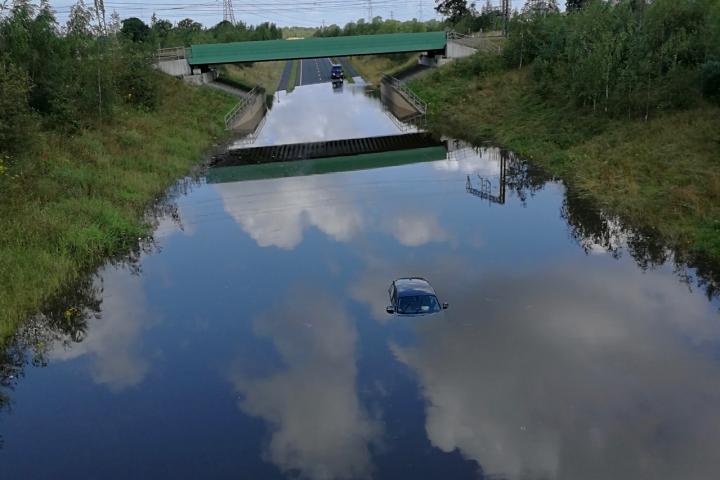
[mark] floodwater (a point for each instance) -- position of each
(249, 338)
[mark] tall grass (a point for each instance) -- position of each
(247, 76)
(372, 67)
(72, 201)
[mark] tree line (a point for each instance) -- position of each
(378, 25)
(629, 57)
(67, 77)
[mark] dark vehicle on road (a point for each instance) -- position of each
(336, 72)
(413, 296)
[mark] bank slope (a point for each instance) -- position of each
(661, 174)
(80, 199)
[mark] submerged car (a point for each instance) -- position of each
(413, 296)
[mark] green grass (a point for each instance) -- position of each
(76, 200)
(662, 174)
(247, 76)
(292, 78)
(372, 67)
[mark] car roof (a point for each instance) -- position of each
(413, 286)
(336, 65)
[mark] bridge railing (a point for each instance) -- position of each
(240, 108)
(406, 92)
(168, 54)
(477, 39)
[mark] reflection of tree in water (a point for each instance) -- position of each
(521, 176)
(63, 322)
(594, 230)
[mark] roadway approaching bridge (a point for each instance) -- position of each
(270, 50)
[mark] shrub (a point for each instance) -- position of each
(16, 121)
(137, 83)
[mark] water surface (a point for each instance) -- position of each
(251, 339)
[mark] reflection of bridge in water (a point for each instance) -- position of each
(328, 149)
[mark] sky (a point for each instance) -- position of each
(308, 13)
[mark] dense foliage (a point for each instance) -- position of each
(379, 26)
(68, 77)
(162, 33)
(63, 79)
(630, 58)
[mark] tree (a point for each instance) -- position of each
(571, 5)
(135, 29)
(16, 120)
(540, 7)
(189, 24)
(454, 10)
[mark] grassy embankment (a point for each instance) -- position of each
(81, 198)
(662, 174)
(372, 67)
(247, 76)
(292, 78)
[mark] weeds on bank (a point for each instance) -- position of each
(82, 198)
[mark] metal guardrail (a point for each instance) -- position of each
(168, 54)
(240, 107)
(475, 37)
(406, 92)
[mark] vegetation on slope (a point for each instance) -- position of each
(372, 67)
(90, 135)
(646, 149)
(248, 75)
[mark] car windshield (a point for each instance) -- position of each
(418, 304)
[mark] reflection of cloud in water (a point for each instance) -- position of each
(275, 213)
(318, 425)
(415, 229)
(483, 161)
(112, 341)
(574, 377)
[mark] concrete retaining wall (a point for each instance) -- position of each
(251, 117)
(176, 68)
(457, 50)
(201, 78)
(399, 105)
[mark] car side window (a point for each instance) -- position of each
(393, 295)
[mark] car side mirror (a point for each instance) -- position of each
(445, 306)
(390, 309)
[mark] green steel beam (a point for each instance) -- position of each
(267, 50)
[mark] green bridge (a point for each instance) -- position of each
(268, 50)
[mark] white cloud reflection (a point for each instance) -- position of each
(566, 376)
(318, 425)
(113, 340)
(275, 212)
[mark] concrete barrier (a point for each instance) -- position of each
(458, 50)
(176, 68)
(200, 78)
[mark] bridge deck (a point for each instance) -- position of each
(332, 148)
(267, 50)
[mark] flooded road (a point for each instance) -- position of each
(250, 339)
